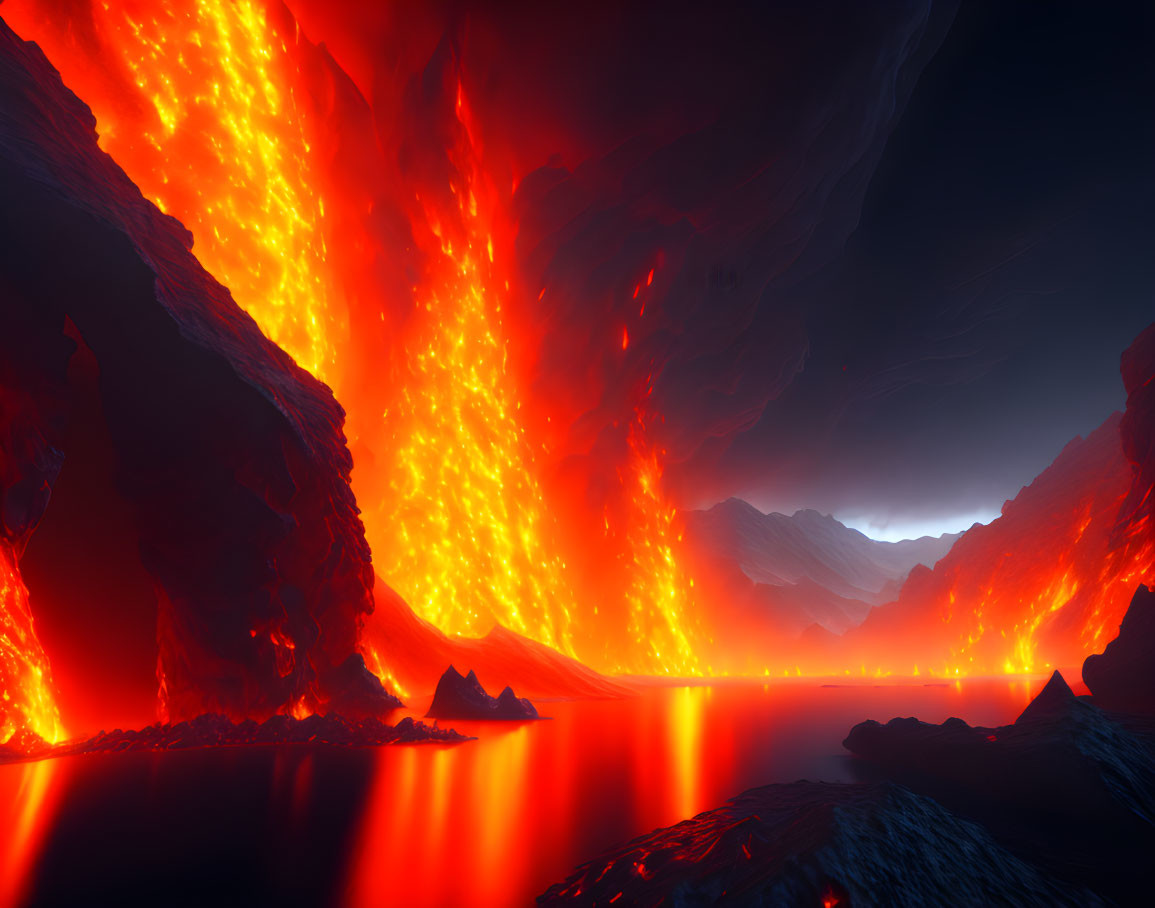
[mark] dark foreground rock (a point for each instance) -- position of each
(464, 698)
(815, 843)
(1122, 677)
(1063, 754)
(1068, 787)
(213, 730)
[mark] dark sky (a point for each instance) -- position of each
(899, 247)
(1002, 263)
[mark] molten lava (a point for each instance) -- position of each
(202, 105)
(463, 532)
(465, 473)
(27, 702)
(659, 591)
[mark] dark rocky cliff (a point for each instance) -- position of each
(231, 457)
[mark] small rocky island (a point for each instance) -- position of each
(464, 698)
(213, 730)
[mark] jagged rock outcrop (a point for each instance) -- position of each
(1063, 755)
(1053, 701)
(1068, 787)
(464, 698)
(815, 843)
(1122, 677)
(232, 457)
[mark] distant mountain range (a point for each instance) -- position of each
(800, 570)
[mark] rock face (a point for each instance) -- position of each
(464, 698)
(1137, 432)
(1062, 559)
(1122, 677)
(231, 457)
(814, 843)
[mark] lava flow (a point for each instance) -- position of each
(25, 677)
(463, 531)
(203, 104)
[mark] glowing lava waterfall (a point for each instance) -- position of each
(196, 102)
(463, 532)
(658, 593)
(25, 678)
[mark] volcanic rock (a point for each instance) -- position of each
(1063, 755)
(815, 843)
(358, 693)
(1055, 699)
(464, 698)
(1063, 768)
(1122, 677)
(214, 730)
(230, 456)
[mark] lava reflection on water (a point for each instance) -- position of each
(491, 822)
(494, 821)
(26, 789)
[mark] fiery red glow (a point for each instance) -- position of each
(476, 513)
(462, 529)
(27, 701)
(202, 105)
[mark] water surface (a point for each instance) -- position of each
(492, 822)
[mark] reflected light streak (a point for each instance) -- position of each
(31, 812)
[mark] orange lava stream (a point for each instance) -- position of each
(463, 531)
(659, 591)
(27, 702)
(1089, 590)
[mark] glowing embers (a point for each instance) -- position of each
(214, 137)
(27, 703)
(658, 595)
(463, 531)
